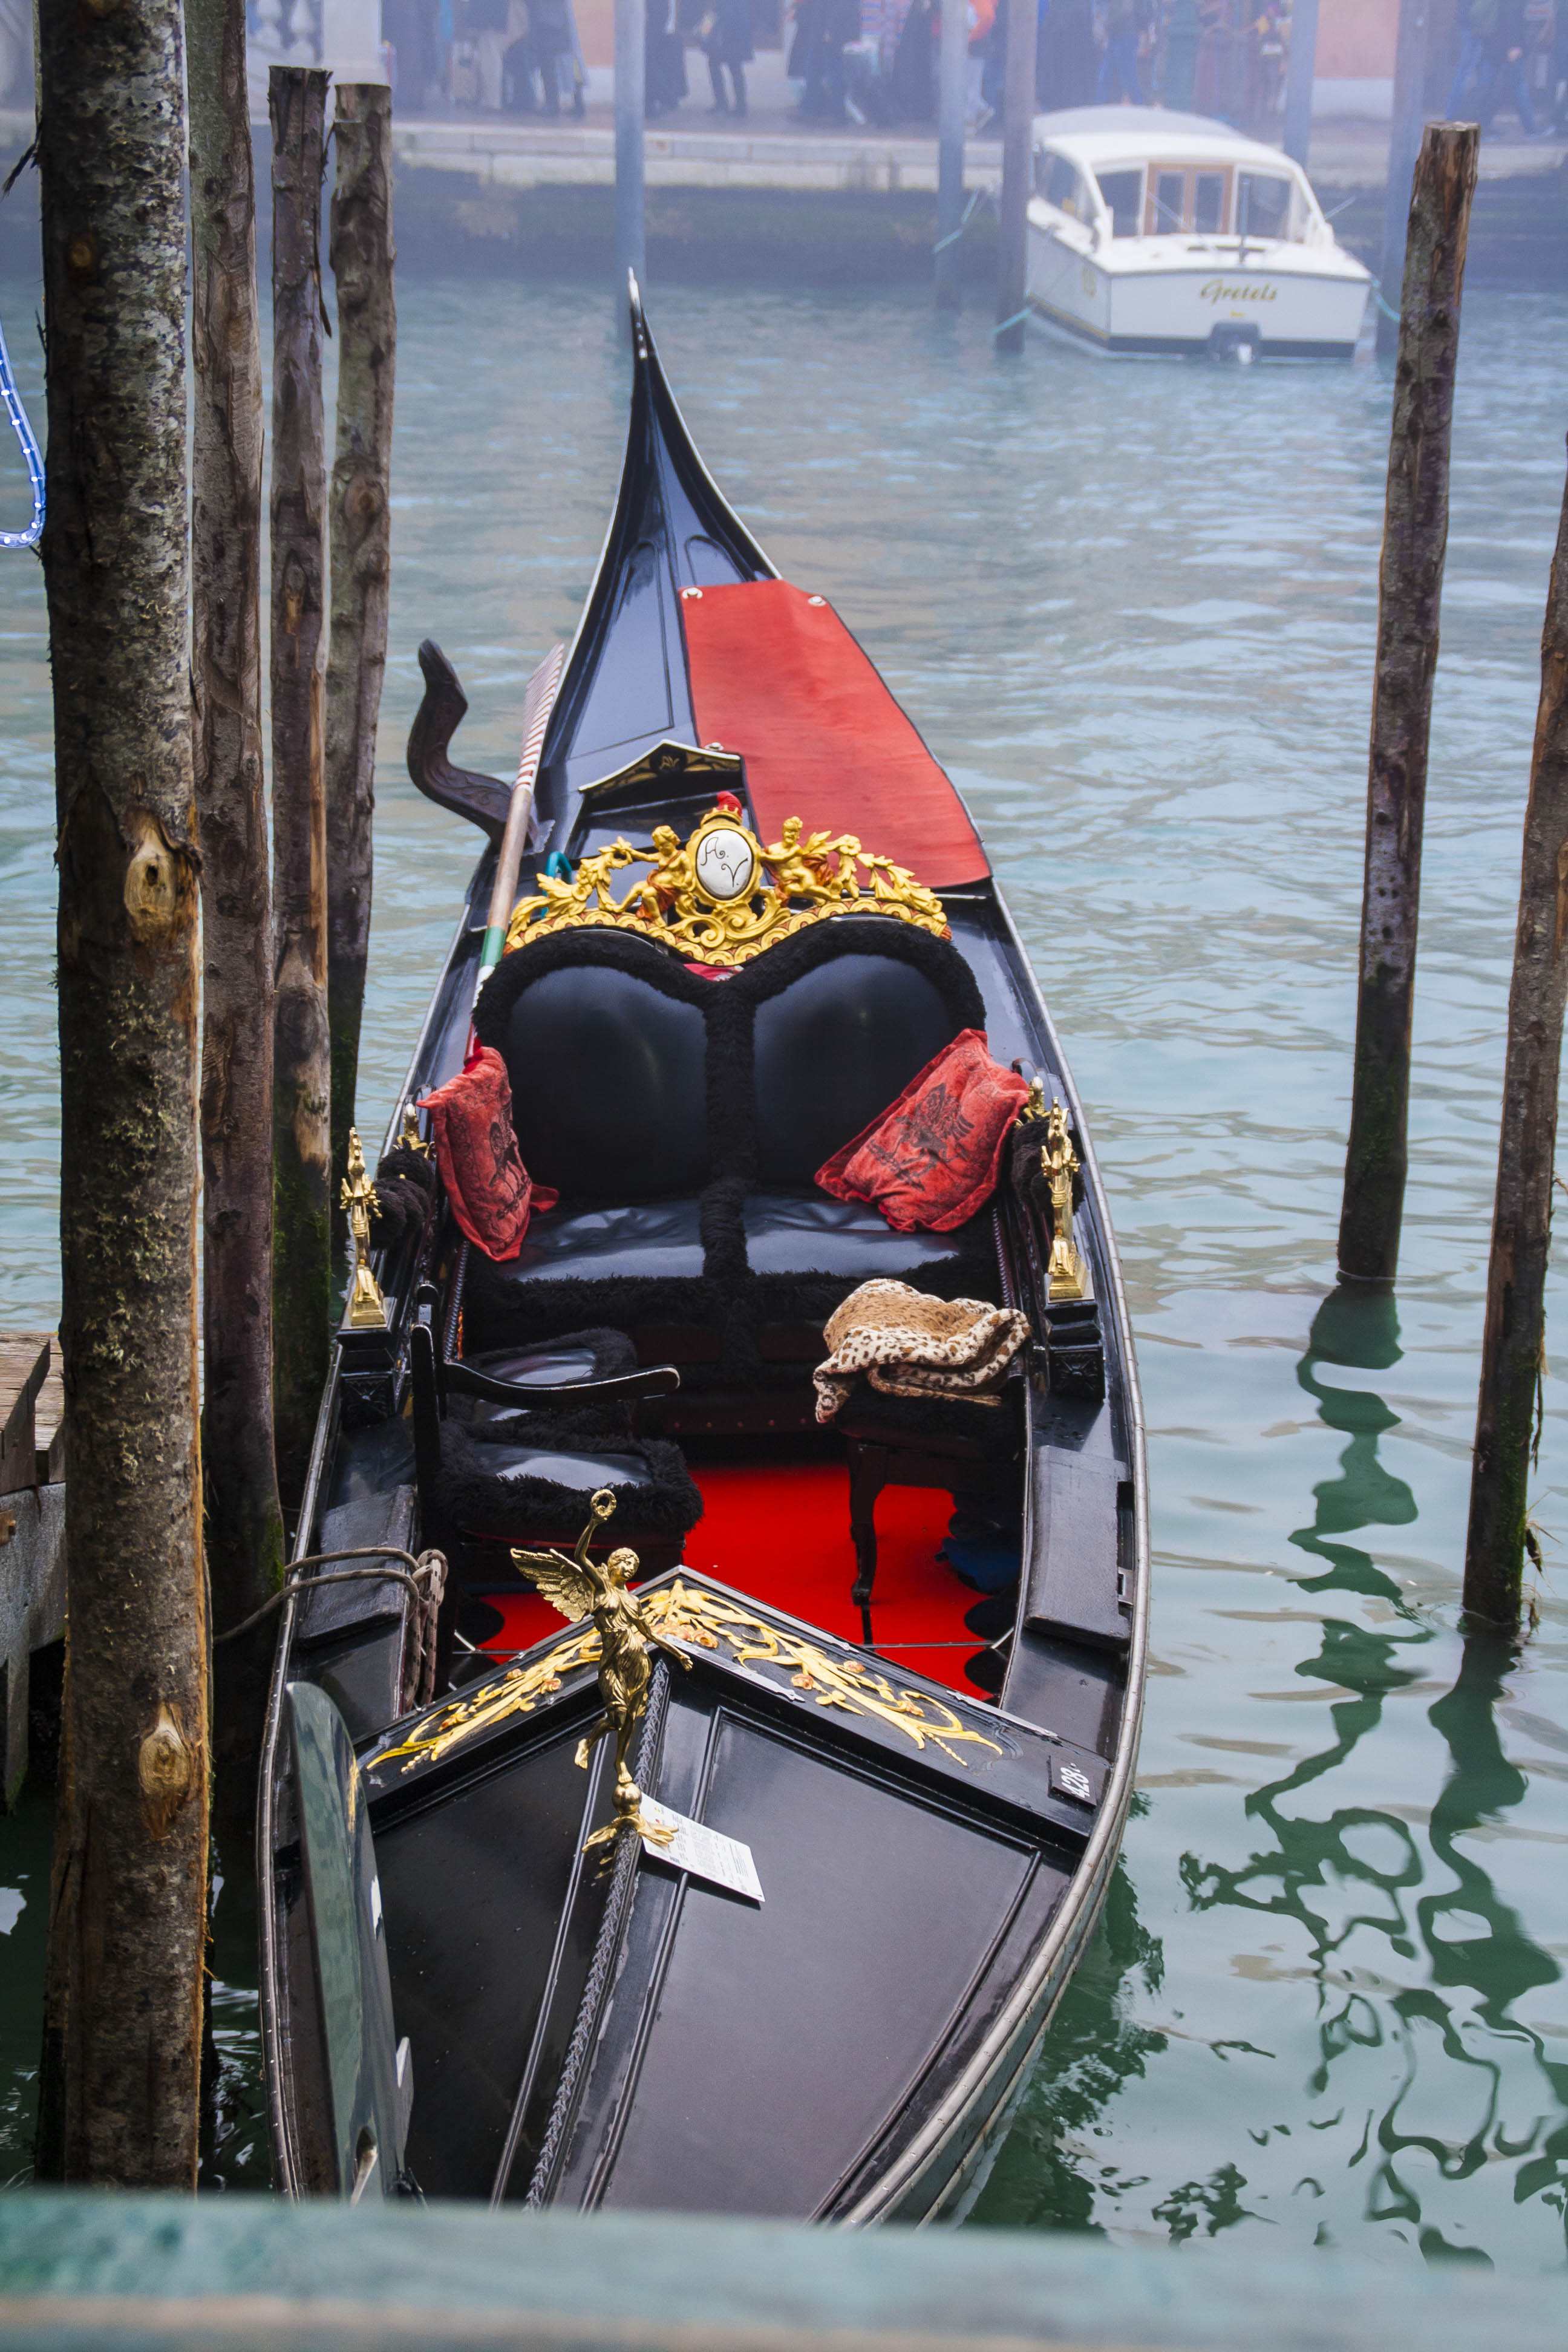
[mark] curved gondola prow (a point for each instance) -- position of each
(667, 500)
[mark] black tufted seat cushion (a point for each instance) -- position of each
(639, 1237)
(794, 1233)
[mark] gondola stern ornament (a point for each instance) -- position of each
(579, 1587)
(724, 896)
(1067, 1275)
(366, 1307)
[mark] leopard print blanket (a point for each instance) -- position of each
(907, 1344)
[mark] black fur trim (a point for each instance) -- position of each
(502, 1314)
(473, 1497)
(617, 950)
(413, 1165)
(592, 1426)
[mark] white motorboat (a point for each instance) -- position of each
(1153, 233)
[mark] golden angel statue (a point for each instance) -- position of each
(578, 1588)
(367, 1308)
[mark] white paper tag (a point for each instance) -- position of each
(705, 1853)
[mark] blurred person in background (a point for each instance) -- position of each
(913, 89)
(1477, 23)
(729, 44)
(1118, 77)
(663, 66)
(1066, 63)
(1508, 80)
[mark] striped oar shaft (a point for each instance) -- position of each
(538, 703)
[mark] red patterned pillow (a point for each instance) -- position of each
(492, 1192)
(932, 1159)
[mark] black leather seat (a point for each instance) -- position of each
(683, 1119)
(808, 1232)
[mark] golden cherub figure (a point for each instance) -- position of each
(367, 1308)
(580, 1588)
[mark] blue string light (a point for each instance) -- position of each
(35, 464)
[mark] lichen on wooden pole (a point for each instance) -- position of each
(359, 533)
(244, 1523)
(1410, 590)
(123, 1996)
(301, 1077)
(1512, 1348)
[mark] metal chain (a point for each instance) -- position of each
(605, 1948)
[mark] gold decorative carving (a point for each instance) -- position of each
(367, 1308)
(409, 1136)
(682, 1613)
(580, 1588)
(1066, 1275)
(704, 1618)
(723, 897)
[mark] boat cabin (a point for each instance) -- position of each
(1184, 177)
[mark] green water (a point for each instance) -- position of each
(1132, 610)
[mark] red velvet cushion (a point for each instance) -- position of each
(931, 1159)
(492, 1192)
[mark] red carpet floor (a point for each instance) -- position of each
(782, 1533)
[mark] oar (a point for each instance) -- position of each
(537, 705)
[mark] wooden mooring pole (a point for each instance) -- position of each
(631, 92)
(1404, 140)
(244, 1523)
(1410, 588)
(359, 537)
(953, 78)
(1017, 175)
(301, 1077)
(1512, 1349)
(119, 2071)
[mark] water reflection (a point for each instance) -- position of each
(1048, 2175)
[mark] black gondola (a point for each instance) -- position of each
(479, 1979)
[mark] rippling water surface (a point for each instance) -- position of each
(1132, 610)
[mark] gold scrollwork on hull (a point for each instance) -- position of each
(686, 1613)
(723, 897)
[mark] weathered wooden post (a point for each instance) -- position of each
(1017, 175)
(1513, 1350)
(244, 1523)
(301, 1077)
(123, 1996)
(631, 90)
(359, 537)
(1410, 590)
(952, 73)
(1404, 146)
(1300, 72)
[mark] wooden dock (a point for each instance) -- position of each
(32, 1532)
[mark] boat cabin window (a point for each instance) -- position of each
(1123, 195)
(1060, 182)
(1262, 204)
(1185, 199)
(1208, 203)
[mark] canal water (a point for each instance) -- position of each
(1132, 610)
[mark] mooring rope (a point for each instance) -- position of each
(30, 455)
(608, 1945)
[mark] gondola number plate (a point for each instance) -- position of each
(722, 1861)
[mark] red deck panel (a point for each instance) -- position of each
(777, 677)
